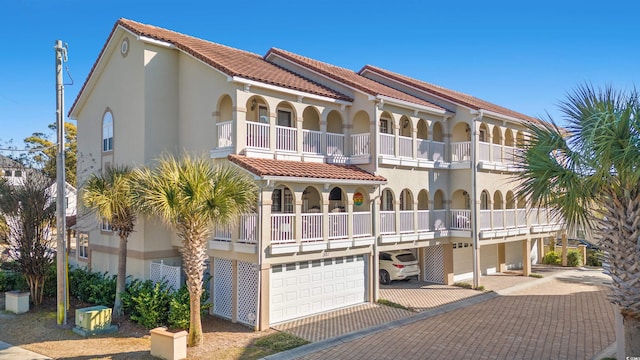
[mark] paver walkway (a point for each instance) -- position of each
(566, 316)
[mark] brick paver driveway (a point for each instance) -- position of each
(565, 317)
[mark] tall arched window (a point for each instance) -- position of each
(107, 132)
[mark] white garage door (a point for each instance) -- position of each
(304, 288)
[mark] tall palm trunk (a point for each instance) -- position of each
(194, 255)
(121, 281)
(620, 233)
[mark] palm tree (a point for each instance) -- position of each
(192, 196)
(108, 195)
(589, 174)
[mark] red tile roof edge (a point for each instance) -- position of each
(289, 56)
(448, 94)
(249, 165)
(130, 25)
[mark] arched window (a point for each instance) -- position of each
(107, 132)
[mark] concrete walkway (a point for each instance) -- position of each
(564, 315)
(10, 352)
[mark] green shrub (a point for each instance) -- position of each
(552, 258)
(594, 258)
(11, 280)
(51, 281)
(152, 305)
(92, 287)
(574, 258)
(148, 303)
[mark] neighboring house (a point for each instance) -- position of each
(348, 164)
(70, 198)
(12, 171)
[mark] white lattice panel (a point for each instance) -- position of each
(222, 287)
(161, 272)
(247, 292)
(434, 264)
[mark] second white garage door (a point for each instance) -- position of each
(305, 288)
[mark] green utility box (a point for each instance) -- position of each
(94, 320)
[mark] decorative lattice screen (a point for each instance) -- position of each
(434, 264)
(222, 287)
(247, 292)
(161, 272)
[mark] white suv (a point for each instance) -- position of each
(398, 265)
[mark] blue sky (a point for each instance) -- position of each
(522, 55)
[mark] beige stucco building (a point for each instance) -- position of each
(348, 164)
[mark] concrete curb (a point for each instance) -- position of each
(338, 340)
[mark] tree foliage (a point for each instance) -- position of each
(589, 174)
(29, 211)
(192, 196)
(43, 152)
(108, 195)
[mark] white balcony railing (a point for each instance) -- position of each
(439, 220)
(286, 138)
(437, 151)
(510, 218)
(423, 148)
(423, 220)
(282, 228)
(461, 151)
(223, 233)
(406, 221)
(311, 142)
(496, 153)
(311, 227)
(460, 219)
(521, 217)
(387, 144)
(360, 144)
(387, 222)
(405, 148)
(484, 151)
(361, 224)
(338, 226)
(248, 229)
(485, 220)
(258, 135)
(225, 134)
(335, 144)
(498, 219)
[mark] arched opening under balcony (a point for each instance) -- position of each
(311, 134)
(361, 139)
(387, 213)
(335, 134)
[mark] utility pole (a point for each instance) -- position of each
(61, 55)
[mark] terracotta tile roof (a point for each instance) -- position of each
(351, 78)
(233, 62)
(451, 95)
(269, 167)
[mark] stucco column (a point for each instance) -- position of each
(502, 267)
(298, 217)
(396, 138)
(540, 249)
(526, 257)
(325, 213)
(448, 263)
(300, 136)
(265, 222)
(263, 297)
(272, 131)
(239, 136)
